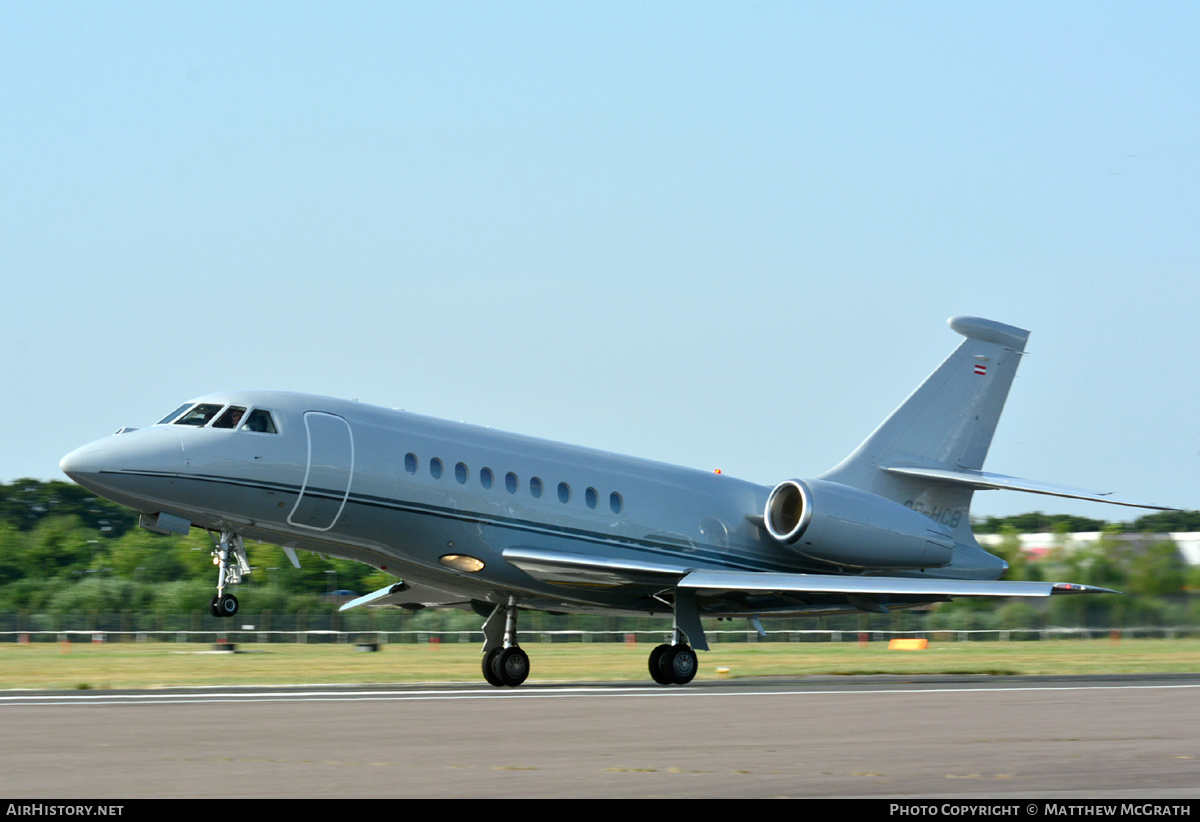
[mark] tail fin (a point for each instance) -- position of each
(945, 425)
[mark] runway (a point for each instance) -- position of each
(918, 737)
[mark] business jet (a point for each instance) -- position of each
(468, 517)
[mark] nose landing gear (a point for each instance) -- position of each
(229, 555)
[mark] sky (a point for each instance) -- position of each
(721, 235)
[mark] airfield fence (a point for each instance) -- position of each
(246, 633)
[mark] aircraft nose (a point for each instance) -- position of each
(96, 465)
(81, 462)
(114, 463)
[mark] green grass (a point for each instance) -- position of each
(164, 664)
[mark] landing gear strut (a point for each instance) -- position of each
(675, 663)
(229, 555)
(504, 663)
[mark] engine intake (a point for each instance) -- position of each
(836, 524)
(789, 511)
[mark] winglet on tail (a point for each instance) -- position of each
(977, 328)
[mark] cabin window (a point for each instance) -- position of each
(615, 502)
(230, 419)
(410, 462)
(200, 415)
(174, 414)
(460, 473)
(259, 421)
(435, 468)
(591, 497)
(485, 477)
(564, 492)
(510, 482)
(535, 487)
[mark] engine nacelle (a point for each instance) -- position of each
(834, 523)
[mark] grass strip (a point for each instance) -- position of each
(167, 664)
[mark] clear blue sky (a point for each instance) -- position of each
(715, 234)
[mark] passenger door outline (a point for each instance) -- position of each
(327, 474)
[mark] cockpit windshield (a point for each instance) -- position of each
(174, 414)
(258, 420)
(200, 415)
(230, 418)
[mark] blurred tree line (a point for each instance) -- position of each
(1156, 582)
(1160, 522)
(64, 551)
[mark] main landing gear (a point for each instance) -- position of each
(673, 664)
(504, 663)
(229, 555)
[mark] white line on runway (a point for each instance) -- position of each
(81, 700)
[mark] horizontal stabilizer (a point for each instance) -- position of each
(712, 583)
(983, 480)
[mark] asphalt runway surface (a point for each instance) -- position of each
(1132, 737)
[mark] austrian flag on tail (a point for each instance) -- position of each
(980, 368)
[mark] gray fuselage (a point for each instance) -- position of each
(403, 492)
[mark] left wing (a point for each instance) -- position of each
(583, 569)
(715, 583)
